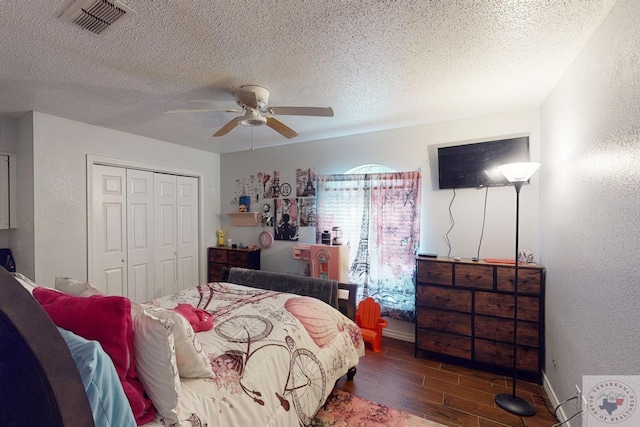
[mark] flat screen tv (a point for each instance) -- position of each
(474, 165)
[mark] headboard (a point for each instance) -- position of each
(342, 296)
(40, 382)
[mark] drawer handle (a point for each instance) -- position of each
(446, 299)
(431, 273)
(513, 280)
(470, 277)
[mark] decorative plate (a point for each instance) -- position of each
(285, 189)
(266, 239)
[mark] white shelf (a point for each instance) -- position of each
(244, 219)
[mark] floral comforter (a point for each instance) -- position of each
(275, 357)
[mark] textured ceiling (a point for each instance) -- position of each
(379, 64)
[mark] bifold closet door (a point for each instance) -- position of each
(165, 232)
(108, 228)
(144, 232)
(176, 233)
(140, 237)
(187, 201)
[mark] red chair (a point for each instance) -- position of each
(371, 325)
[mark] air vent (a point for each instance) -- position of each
(97, 16)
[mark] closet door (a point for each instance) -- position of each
(187, 232)
(140, 272)
(109, 248)
(165, 234)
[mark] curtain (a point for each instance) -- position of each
(379, 218)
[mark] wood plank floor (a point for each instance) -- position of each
(451, 395)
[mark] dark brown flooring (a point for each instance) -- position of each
(448, 394)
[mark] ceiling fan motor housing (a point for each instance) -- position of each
(261, 97)
(253, 118)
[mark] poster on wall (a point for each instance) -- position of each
(248, 190)
(271, 184)
(286, 217)
(306, 182)
(307, 212)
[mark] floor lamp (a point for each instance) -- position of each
(517, 174)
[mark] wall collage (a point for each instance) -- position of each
(286, 202)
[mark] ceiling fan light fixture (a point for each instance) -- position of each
(253, 118)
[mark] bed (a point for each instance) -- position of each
(264, 357)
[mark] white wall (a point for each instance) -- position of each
(7, 146)
(590, 218)
(60, 148)
(405, 149)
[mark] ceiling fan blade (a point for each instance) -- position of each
(203, 110)
(227, 128)
(301, 111)
(281, 128)
(247, 98)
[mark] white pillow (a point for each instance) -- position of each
(28, 284)
(155, 357)
(192, 360)
(76, 287)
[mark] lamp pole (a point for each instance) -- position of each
(518, 174)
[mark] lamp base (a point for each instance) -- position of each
(516, 405)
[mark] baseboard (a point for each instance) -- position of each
(562, 415)
(399, 335)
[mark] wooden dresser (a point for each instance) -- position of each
(220, 257)
(465, 309)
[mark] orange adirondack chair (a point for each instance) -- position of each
(371, 325)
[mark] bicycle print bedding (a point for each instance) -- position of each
(275, 357)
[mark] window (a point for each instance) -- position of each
(378, 213)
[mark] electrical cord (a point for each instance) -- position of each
(453, 222)
(555, 411)
(484, 219)
(567, 420)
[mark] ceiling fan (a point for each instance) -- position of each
(254, 101)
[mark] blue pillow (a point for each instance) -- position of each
(109, 404)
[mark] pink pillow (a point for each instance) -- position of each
(199, 319)
(106, 319)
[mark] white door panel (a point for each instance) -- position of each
(165, 234)
(187, 232)
(140, 235)
(108, 230)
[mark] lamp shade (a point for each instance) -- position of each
(519, 172)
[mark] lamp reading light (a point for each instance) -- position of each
(517, 174)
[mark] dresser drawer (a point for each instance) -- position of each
(501, 305)
(438, 273)
(445, 321)
(238, 259)
(501, 329)
(501, 354)
(218, 255)
(214, 271)
(446, 298)
(528, 280)
(474, 276)
(440, 342)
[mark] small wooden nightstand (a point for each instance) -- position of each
(220, 257)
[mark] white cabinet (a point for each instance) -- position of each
(7, 191)
(144, 232)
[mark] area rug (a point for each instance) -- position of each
(343, 409)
